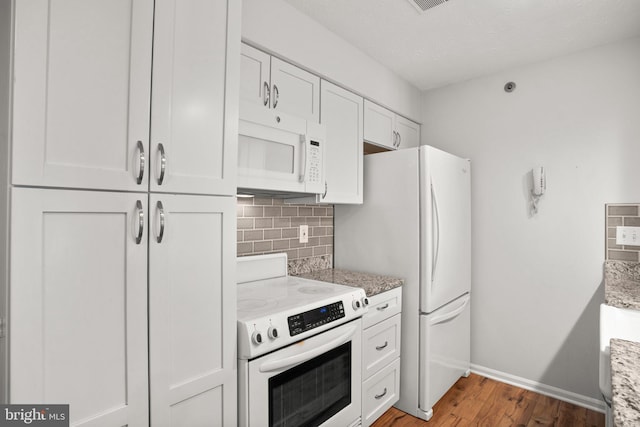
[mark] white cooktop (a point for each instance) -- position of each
(275, 310)
(282, 294)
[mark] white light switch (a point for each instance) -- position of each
(304, 233)
(628, 236)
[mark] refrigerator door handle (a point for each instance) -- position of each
(448, 316)
(436, 233)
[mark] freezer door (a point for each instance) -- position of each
(445, 216)
(445, 350)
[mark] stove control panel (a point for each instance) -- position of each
(317, 317)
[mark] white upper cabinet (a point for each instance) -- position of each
(408, 133)
(276, 84)
(379, 125)
(194, 97)
(385, 128)
(192, 310)
(342, 115)
(78, 318)
(83, 91)
(82, 77)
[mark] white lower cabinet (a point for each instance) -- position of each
(78, 318)
(83, 286)
(381, 355)
(380, 392)
(192, 307)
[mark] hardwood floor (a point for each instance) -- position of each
(480, 401)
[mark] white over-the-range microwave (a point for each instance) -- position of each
(279, 154)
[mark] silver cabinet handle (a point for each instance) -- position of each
(383, 307)
(383, 346)
(163, 163)
(160, 209)
(325, 190)
(140, 222)
(141, 161)
(276, 92)
(266, 93)
(383, 394)
(399, 139)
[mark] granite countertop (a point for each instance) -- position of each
(625, 382)
(622, 284)
(373, 284)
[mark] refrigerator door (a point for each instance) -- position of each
(445, 209)
(445, 351)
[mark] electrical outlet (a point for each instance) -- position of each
(628, 236)
(304, 233)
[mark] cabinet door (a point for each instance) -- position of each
(82, 73)
(255, 76)
(379, 125)
(408, 133)
(78, 325)
(295, 91)
(195, 97)
(342, 114)
(192, 311)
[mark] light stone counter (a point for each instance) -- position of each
(625, 382)
(372, 284)
(622, 284)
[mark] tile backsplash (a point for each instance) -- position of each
(270, 225)
(621, 215)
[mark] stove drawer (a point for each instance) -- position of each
(380, 392)
(380, 345)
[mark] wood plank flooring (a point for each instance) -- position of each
(482, 402)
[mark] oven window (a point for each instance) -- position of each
(312, 392)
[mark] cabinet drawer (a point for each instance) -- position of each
(383, 306)
(380, 345)
(380, 392)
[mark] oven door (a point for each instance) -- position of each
(314, 382)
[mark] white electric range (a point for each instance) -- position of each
(299, 347)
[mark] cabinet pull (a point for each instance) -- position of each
(383, 307)
(140, 222)
(325, 190)
(266, 93)
(163, 163)
(395, 139)
(141, 163)
(383, 346)
(276, 92)
(399, 139)
(383, 394)
(160, 209)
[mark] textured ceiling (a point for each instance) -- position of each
(462, 39)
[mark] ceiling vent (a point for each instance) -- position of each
(424, 5)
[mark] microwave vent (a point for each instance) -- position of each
(424, 5)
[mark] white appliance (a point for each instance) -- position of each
(279, 154)
(299, 347)
(614, 323)
(415, 224)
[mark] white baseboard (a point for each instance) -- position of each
(557, 393)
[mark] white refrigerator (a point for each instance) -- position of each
(415, 224)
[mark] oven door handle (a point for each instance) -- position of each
(307, 355)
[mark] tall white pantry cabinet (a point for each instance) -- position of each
(118, 144)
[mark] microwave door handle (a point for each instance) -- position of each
(303, 144)
(287, 362)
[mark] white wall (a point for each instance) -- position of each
(537, 281)
(276, 26)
